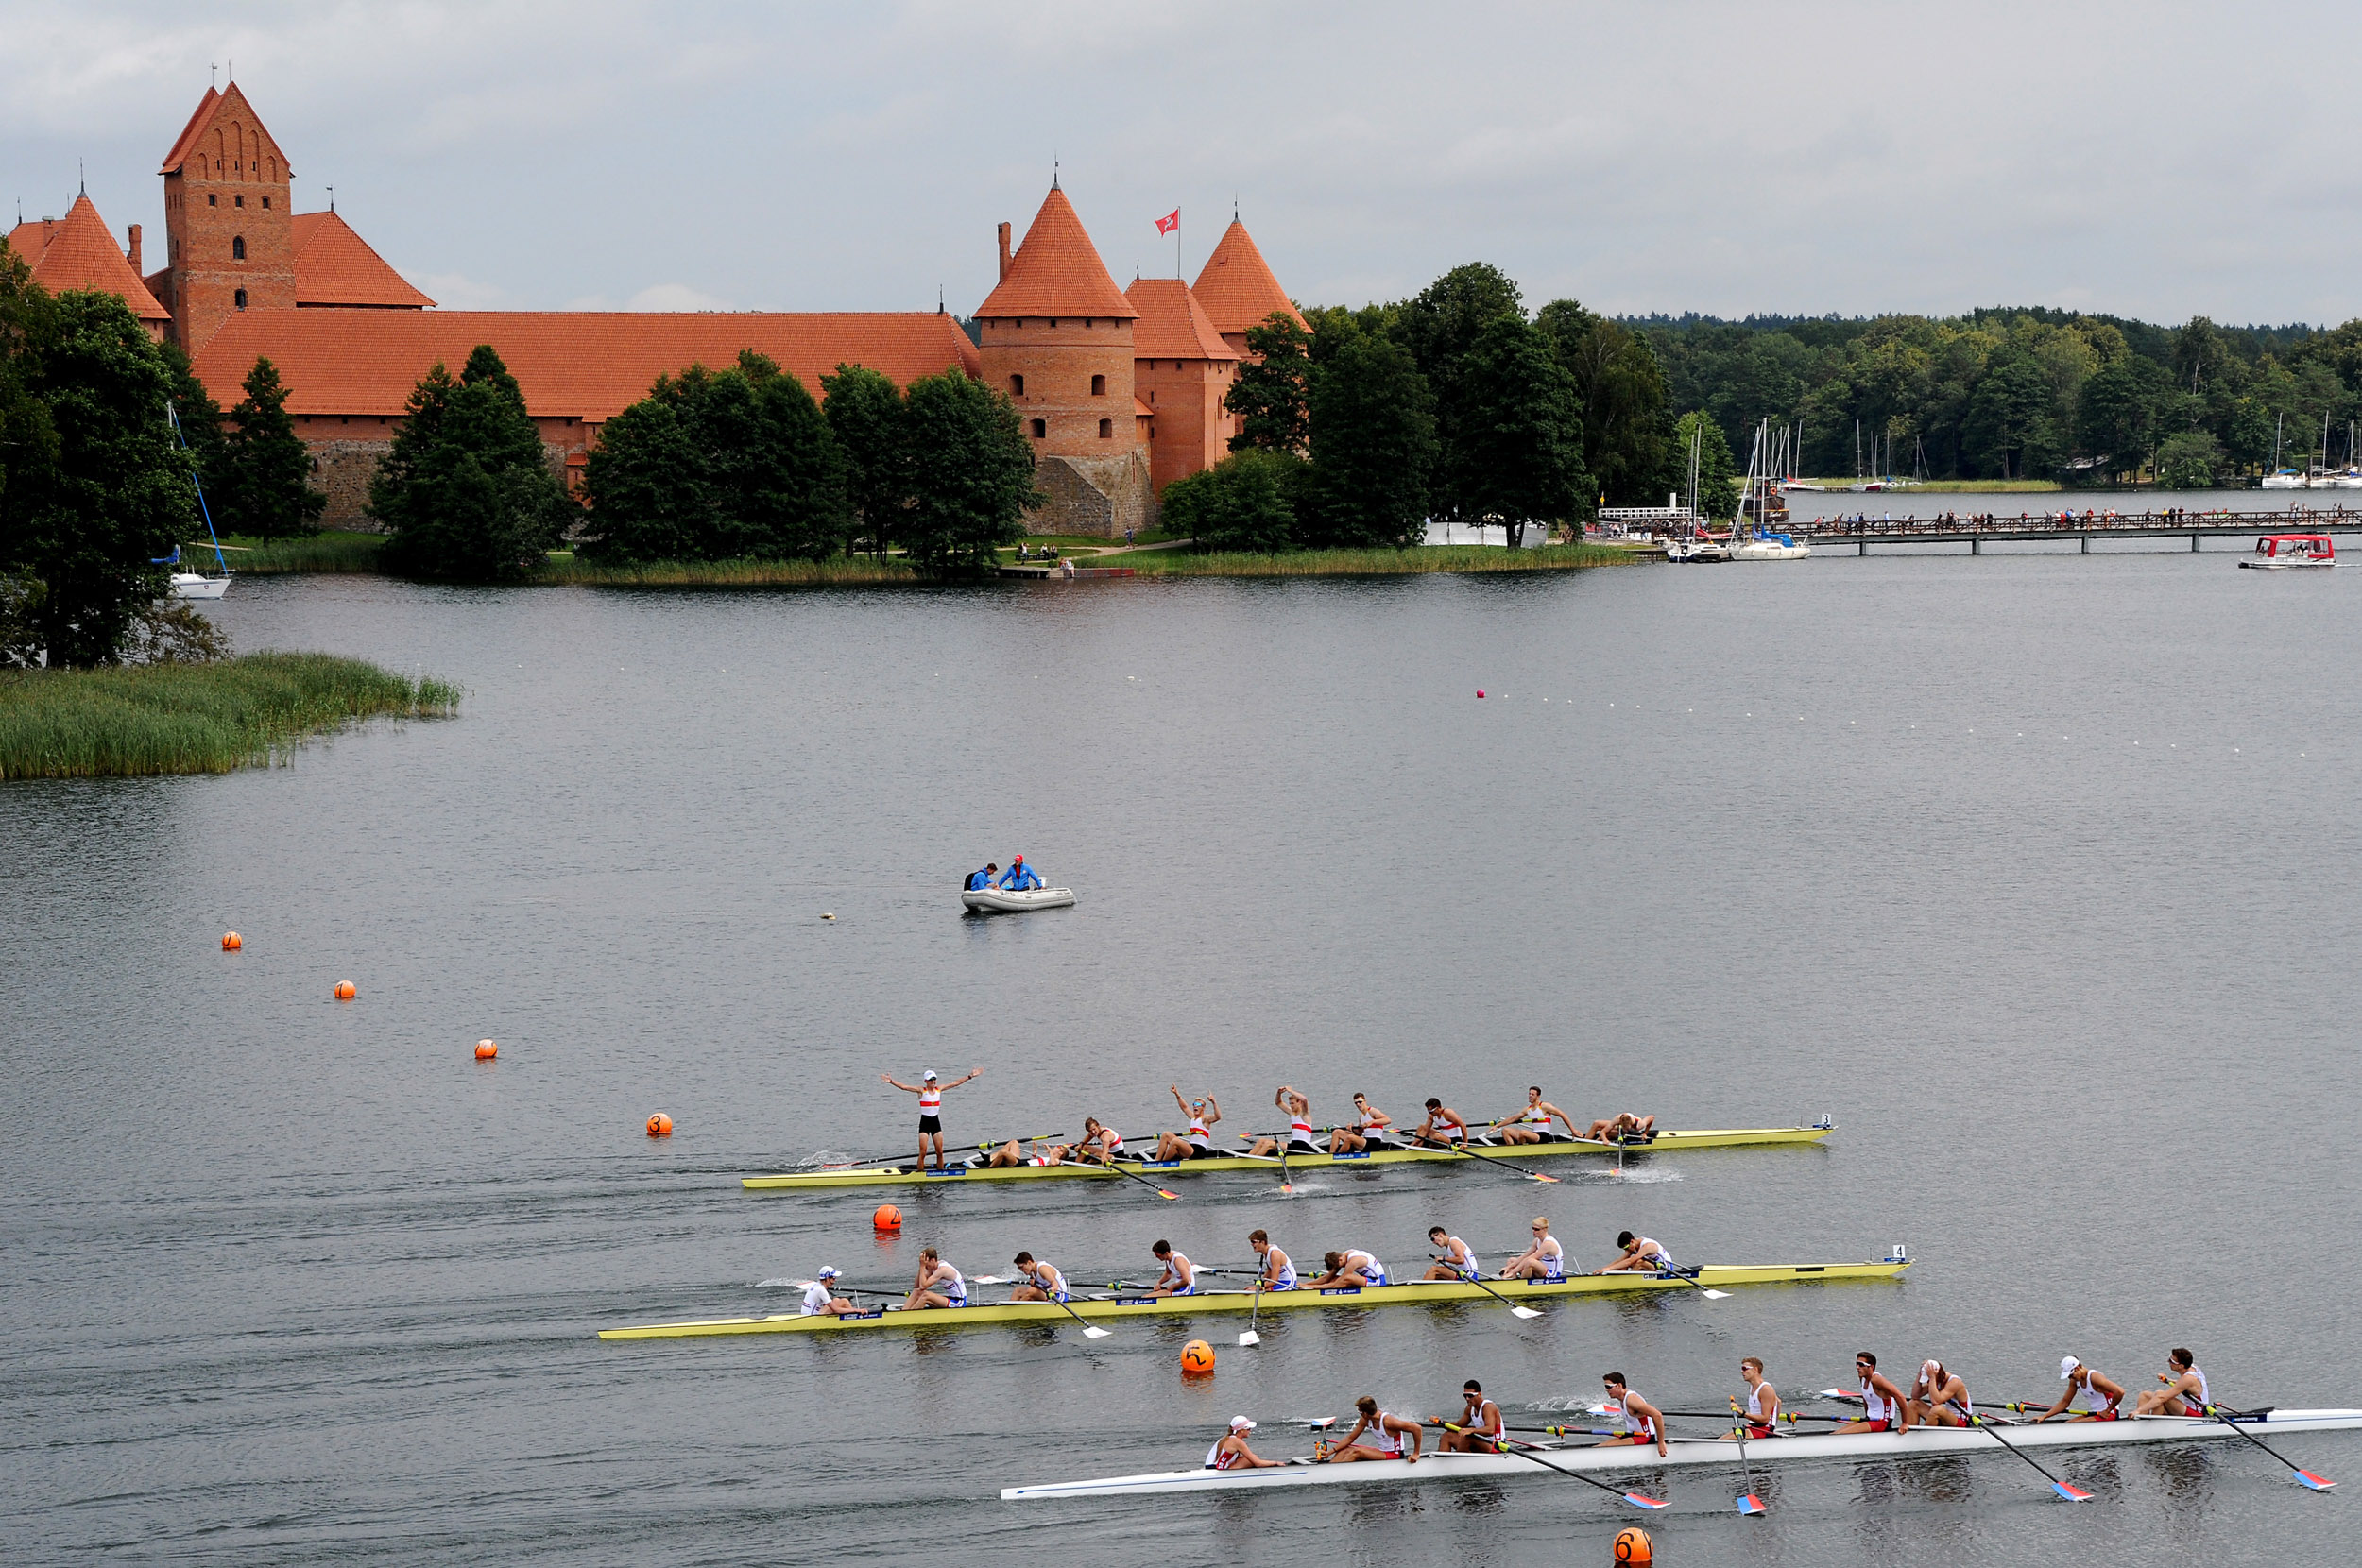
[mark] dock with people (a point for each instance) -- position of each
(1979, 529)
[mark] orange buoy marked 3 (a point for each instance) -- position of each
(487, 1050)
(345, 992)
(659, 1126)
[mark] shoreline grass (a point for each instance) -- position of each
(334, 550)
(150, 719)
(838, 570)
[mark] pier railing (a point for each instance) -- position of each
(1976, 528)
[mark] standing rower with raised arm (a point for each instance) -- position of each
(1197, 1143)
(1430, 1134)
(930, 1095)
(2105, 1394)
(1533, 1124)
(2184, 1392)
(1300, 1138)
(1544, 1260)
(1641, 1255)
(1456, 1262)
(1643, 1422)
(1386, 1434)
(1180, 1275)
(1481, 1420)
(1279, 1271)
(1883, 1406)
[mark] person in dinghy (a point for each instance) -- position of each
(979, 880)
(1020, 877)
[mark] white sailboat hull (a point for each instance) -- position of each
(191, 585)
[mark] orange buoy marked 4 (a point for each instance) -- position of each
(887, 1218)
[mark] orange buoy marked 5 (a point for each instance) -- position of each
(1197, 1356)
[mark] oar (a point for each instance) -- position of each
(1167, 1197)
(1689, 1277)
(2303, 1477)
(2072, 1493)
(1516, 1307)
(1250, 1337)
(1749, 1504)
(1091, 1331)
(1525, 1451)
(1507, 1165)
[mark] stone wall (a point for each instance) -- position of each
(343, 469)
(1098, 497)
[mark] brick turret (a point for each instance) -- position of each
(229, 232)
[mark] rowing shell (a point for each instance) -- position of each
(1298, 1165)
(1410, 1293)
(1918, 1443)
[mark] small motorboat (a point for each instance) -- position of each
(1010, 902)
(1696, 547)
(2281, 552)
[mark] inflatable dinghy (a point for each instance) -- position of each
(999, 901)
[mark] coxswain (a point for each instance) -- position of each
(1351, 1268)
(1429, 1134)
(938, 1285)
(1197, 1143)
(1232, 1453)
(2105, 1394)
(1480, 1424)
(1643, 1422)
(1037, 1281)
(821, 1299)
(1455, 1262)
(1883, 1406)
(1279, 1271)
(1623, 1127)
(1386, 1434)
(1763, 1401)
(2184, 1392)
(1641, 1256)
(1300, 1139)
(1940, 1397)
(1544, 1260)
(1368, 1127)
(930, 1095)
(1533, 1124)
(1020, 877)
(1180, 1275)
(979, 880)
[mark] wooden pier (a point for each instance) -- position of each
(1979, 529)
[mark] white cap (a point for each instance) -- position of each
(1239, 1424)
(929, 1073)
(826, 1272)
(2066, 1367)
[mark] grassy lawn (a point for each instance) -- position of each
(195, 718)
(337, 550)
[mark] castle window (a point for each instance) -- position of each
(237, 247)
(212, 201)
(1099, 386)
(267, 204)
(237, 201)
(1017, 386)
(1106, 429)
(1041, 429)
(241, 298)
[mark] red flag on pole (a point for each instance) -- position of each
(1172, 221)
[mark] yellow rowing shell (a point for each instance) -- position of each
(1414, 1293)
(1297, 1164)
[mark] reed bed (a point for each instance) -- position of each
(195, 718)
(1367, 563)
(337, 550)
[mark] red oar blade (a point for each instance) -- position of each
(2072, 1493)
(1167, 1197)
(1749, 1504)
(2306, 1478)
(1537, 1176)
(1638, 1501)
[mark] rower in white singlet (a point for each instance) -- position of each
(929, 1092)
(1544, 1260)
(1643, 1422)
(1386, 1435)
(1180, 1275)
(1641, 1256)
(1479, 1423)
(1456, 1262)
(1300, 1135)
(938, 1286)
(1763, 1401)
(2104, 1396)
(1367, 1128)
(1037, 1281)
(1884, 1408)
(1533, 1124)
(1279, 1271)
(1231, 1452)
(1349, 1269)
(2184, 1392)
(1197, 1143)
(1940, 1397)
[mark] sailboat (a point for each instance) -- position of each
(1757, 540)
(1693, 544)
(195, 585)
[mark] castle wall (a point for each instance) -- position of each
(1192, 430)
(1098, 497)
(1070, 379)
(343, 463)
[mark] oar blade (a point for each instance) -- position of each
(2311, 1482)
(1750, 1504)
(1714, 1295)
(1639, 1501)
(1167, 1197)
(1537, 1176)
(1248, 1337)
(1524, 1312)
(1092, 1330)
(2072, 1493)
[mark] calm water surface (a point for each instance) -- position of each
(2039, 872)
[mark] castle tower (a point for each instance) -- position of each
(1184, 370)
(229, 234)
(1056, 336)
(1237, 289)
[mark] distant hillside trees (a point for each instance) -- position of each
(467, 494)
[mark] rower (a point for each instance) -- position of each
(938, 1286)
(1544, 1260)
(1198, 1142)
(1180, 1275)
(1386, 1434)
(1763, 1401)
(821, 1299)
(930, 1095)
(1533, 1124)
(1456, 1262)
(1431, 1132)
(1368, 1127)
(1352, 1267)
(1300, 1140)
(1099, 1145)
(2184, 1392)
(1643, 1422)
(1037, 1281)
(1623, 1127)
(979, 880)
(1231, 1452)
(1010, 1153)
(1641, 1256)
(1883, 1406)
(1481, 1420)
(2103, 1393)
(1940, 1398)
(1020, 877)
(1279, 1271)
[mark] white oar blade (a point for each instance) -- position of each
(1715, 1295)
(1092, 1330)
(1250, 1337)
(1525, 1312)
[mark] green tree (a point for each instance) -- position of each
(1371, 421)
(28, 442)
(2115, 414)
(465, 493)
(1628, 420)
(1717, 475)
(971, 474)
(2188, 461)
(1245, 503)
(1519, 460)
(262, 474)
(717, 466)
(866, 413)
(2247, 435)
(1440, 327)
(2010, 414)
(199, 417)
(1270, 391)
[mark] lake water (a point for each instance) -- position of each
(2038, 872)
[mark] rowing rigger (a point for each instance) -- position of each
(1918, 1443)
(1662, 1143)
(1409, 1293)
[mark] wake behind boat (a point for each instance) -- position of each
(1918, 1444)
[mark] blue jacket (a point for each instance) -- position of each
(977, 879)
(1020, 877)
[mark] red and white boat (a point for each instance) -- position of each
(2280, 552)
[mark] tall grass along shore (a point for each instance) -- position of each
(195, 718)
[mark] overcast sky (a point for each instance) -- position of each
(2152, 159)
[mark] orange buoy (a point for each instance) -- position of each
(888, 1217)
(487, 1050)
(1197, 1356)
(231, 942)
(659, 1126)
(1633, 1545)
(345, 992)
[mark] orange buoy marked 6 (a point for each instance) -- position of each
(345, 992)
(1633, 1545)
(231, 942)
(888, 1217)
(487, 1050)
(1197, 1356)
(659, 1126)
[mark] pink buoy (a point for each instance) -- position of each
(1479, 691)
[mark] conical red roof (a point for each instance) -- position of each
(335, 266)
(1237, 288)
(1056, 271)
(77, 251)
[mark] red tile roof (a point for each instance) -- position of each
(77, 251)
(1056, 271)
(335, 266)
(589, 365)
(190, 132)
(1141, 410)
(1171, 324)
(1237, 288)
